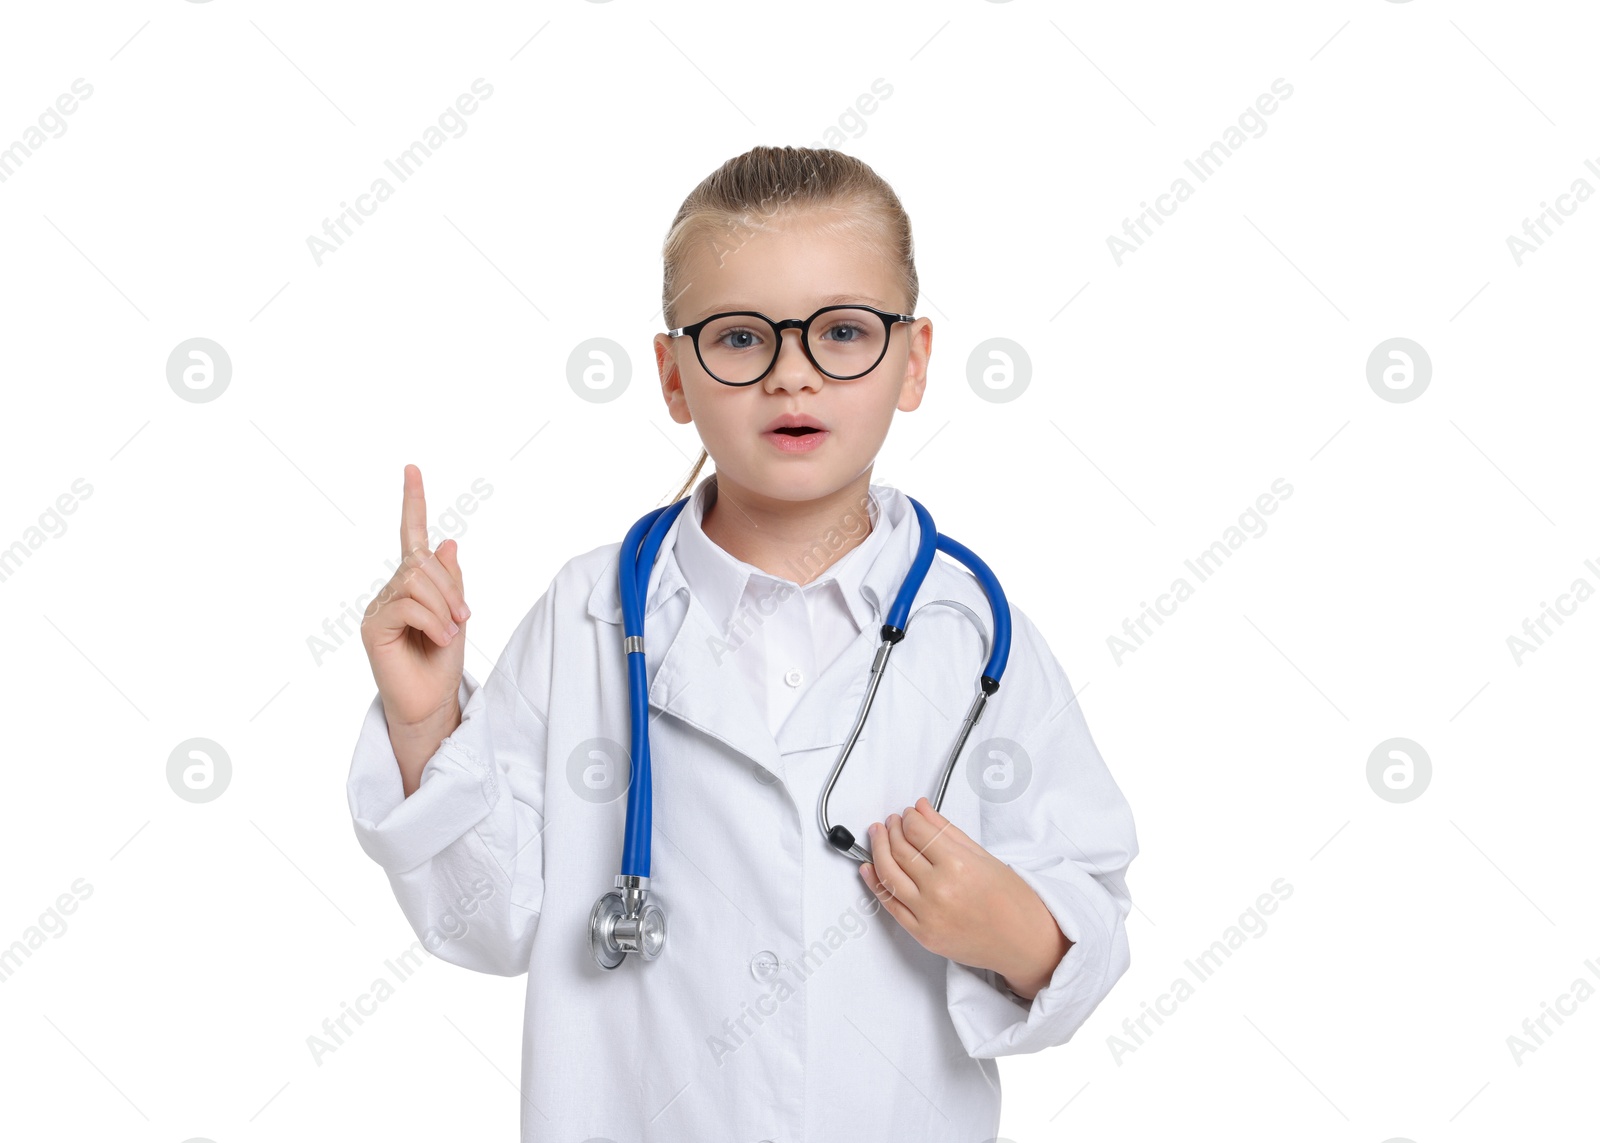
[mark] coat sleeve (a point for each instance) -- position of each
(464, 852)
(1068, 832)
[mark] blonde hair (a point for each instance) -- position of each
(749, 190)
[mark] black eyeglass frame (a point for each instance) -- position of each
(803, 325)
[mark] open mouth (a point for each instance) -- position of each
(800, 431)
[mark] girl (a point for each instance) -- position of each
(795, 998)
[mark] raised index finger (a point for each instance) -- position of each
(413, 514)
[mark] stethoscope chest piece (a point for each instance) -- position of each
(623, 922)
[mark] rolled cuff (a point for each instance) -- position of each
(991, 1020)
(458, 790)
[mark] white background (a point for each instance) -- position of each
(1166, 394)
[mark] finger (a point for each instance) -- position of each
(949, 828)
(449, 587)
(893, 877)
(885, 898)
(399, 614)
(413, 513)
(419, 579)
(912, 864)
(921, 835)
(449, 554)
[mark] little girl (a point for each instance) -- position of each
(799, 996)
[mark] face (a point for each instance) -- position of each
(791, 270)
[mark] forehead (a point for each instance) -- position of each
(786, 265)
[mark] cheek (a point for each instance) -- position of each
(722, 416)
(869, 411)
(863, 399)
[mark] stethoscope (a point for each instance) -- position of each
(624, 920)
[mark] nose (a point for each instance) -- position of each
(793, 371)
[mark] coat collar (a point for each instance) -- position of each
(729, 587)
(689, 668)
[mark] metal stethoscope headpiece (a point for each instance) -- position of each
(624, 920)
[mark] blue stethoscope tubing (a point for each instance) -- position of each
(644, 541)
(652, 527)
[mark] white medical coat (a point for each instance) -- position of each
(788, 1005)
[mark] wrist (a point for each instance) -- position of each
(415, 743)
(1029, 972)
(437, 725)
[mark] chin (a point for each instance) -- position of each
(792, 481)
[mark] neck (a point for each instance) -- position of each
(790, 539)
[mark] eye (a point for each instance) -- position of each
(852, 331)
(739, 337)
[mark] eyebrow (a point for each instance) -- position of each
(831, 300)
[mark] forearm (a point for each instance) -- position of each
(414, 745)
(1039, 949)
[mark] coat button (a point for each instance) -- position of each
(763, 775)
(764, 965)
(793, 677)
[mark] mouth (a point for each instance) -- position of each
(795, 424)
(794, 433)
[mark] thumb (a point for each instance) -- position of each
(447, 553)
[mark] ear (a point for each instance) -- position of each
(671, 380)
(920, 339)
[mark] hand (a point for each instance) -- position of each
(414, 630)
(960, 901)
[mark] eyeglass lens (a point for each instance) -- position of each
(845, 343)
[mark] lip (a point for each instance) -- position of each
(792, 443)
(806, 442)
(794, 421)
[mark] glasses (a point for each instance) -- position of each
(741, 347)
